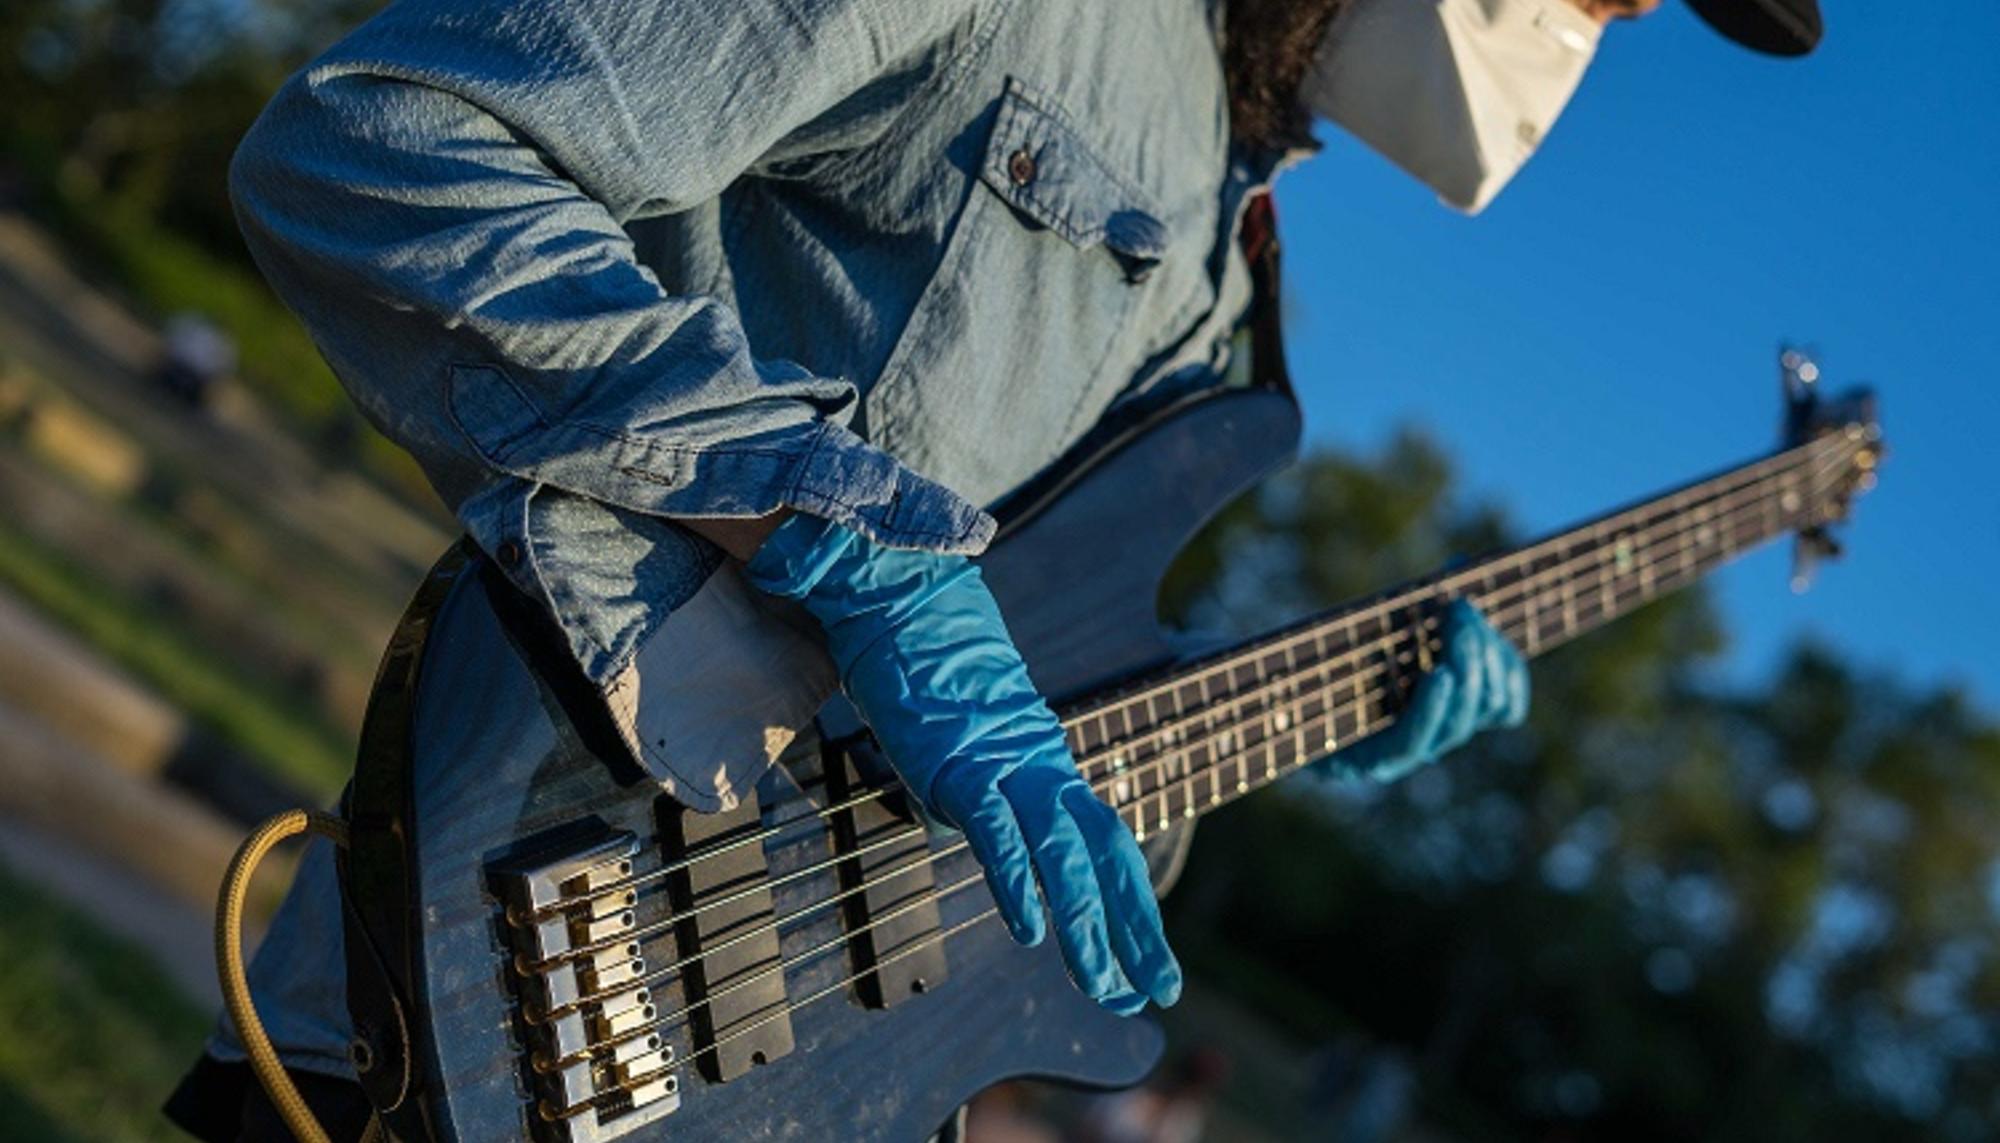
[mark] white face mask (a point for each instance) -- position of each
(1459, 93)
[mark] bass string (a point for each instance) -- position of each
(840, 986)
(930, 857)
(1795, 458)
(1329, 719)
(1734, 514)
(1313, 627)
(1526, 591)
(657, 927)
(838, 942)
(1134, 775)
(1115, 749)
(710, 852)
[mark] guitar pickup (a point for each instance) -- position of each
(890, 905)
(726, 926)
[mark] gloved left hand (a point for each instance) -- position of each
(925, 657)
(1482, 682)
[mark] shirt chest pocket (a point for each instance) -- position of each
(1018, 335)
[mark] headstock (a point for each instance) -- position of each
(1849, 466)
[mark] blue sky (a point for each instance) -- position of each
(1611, 324)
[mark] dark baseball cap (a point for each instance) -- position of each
(1776, 27)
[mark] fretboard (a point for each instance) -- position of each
(1178, 744)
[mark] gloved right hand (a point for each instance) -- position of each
(924, 655)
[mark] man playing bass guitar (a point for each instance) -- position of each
(785, 293)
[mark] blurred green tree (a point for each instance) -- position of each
(117, 122)
(1659, 911)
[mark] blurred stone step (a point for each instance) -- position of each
(168, 836)
(72, 691)
(52, 680)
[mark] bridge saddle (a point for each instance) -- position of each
(597, 1065)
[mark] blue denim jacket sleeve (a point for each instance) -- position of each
(440, 198)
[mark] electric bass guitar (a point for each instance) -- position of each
(542, 945)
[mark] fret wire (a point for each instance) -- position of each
(1354, 681)
(1534, 641)
(1322, 694)
(1684, 556)
(1360, 707)
(1293, 718)
(1604, 582)
(1156, 719)
(1646, 586)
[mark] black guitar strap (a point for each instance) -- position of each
(377, 884)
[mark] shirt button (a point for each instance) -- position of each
(508, 553)
(1021, 167)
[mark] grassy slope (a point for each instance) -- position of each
(256, 718)
(95, 1036)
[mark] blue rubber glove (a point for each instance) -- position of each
(924, 655)
(1482, 682)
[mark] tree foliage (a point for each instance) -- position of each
(1659, 911)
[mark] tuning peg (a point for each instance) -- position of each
(1810, 547)
(1797, 370)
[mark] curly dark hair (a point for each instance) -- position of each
(1267, 47)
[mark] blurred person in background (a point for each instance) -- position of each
(1171, 1109)
(195, 357)
(649, 288)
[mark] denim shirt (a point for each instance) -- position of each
(600, 263)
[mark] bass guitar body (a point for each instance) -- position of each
(776, 995)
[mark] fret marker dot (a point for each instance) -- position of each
(1789, 501)
(1242, 786)
(1188, 811)
(1117, 761)
(1331, 745)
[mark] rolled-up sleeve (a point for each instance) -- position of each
(440, 199)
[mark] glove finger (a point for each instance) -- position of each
(1069, 883)
(1387, 752)
(1465, 659)
(1126, 1003)
(996, 841)
(1409, 740)
(1518, 688)
(1138, 936)
(1496, 661)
